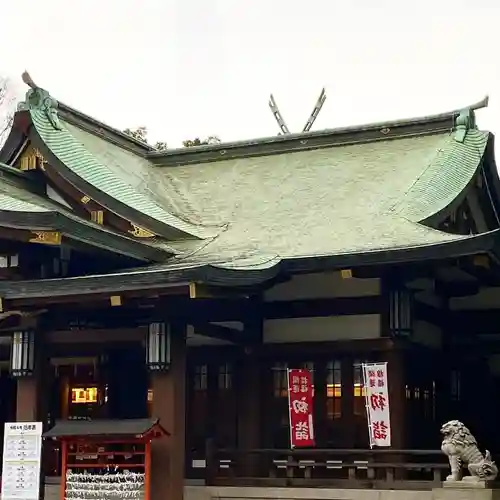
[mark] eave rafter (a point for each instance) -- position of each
(219, 332)
(81, 202)
(51, 227)
(141, 298)
(51, 238)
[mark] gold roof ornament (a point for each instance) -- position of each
(140, 232)
(39, 99)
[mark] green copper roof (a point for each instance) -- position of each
(34, 212)
(138, 172)
(445, 177)
(328, 201)
(89, 167)
(12, 204)
(349, 193)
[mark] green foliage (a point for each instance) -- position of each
(211, 139)
(161, 146)
(141, 134)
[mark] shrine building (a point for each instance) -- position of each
(180, 285)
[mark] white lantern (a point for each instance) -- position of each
(22, 360)
(158, 347)
(400, 312)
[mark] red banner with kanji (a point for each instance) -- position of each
(300, 399)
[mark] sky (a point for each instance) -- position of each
(187, 68)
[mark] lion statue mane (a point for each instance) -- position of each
(461, 448)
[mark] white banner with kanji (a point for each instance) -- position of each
(377, 403)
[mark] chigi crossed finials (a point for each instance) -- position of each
(309, 123)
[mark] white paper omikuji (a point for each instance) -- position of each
(88, 486)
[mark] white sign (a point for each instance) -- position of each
(22, 451)
(377, 403)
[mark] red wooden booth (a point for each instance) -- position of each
(109, 456)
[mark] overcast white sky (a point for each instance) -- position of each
(185, 68)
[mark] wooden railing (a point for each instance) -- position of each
(380, 468)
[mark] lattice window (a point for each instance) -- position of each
(225, 376)
(280, 380)
(333, 389)
(359, 388)
(200, 381)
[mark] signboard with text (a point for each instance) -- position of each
(377, 403)
(22, 450)
(300, 402)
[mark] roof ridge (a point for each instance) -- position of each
(452, 115)
(299, 141)
(98, 127)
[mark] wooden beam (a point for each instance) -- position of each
(430, 314)
(204, 311)
(476, 211)
(483, 268)
(53, 238)
(81, 202)
(99, 299)
(309, 308)
(18, 235)
(219, 332)
(452, 281)
(475, 322)
(96, 335)
(201, 291)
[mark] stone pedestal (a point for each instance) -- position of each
(464, 490)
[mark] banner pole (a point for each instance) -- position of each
(289, 407)
(367, 403)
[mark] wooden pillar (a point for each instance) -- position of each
(397, 396)
(31, 401)
(349, 422)
(397, 323)
(27, 399)
(249, 407)
(250, 388)
(167, 454)
(319, 404)
(249, 410)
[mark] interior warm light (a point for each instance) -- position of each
(359, 390)
(150, 395)
(333, 390)
(84, 395)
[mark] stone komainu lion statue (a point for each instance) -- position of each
(460, 446)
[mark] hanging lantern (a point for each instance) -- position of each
(22, 360)
(400, 313)
(158, 347)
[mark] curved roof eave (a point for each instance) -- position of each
(158, 221)
(77, 165)
(159, 276)
(444, 181)
(19, 214)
